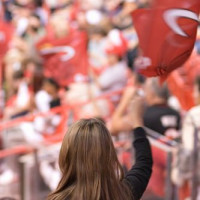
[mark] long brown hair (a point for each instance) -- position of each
(89, 165)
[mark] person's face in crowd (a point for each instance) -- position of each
(196, 94)
(50, 88)
(60, 25)
(34, 24)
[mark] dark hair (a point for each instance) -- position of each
(52, 82)
(18, 75)
(197, 82)
(38, 79)
(140, 78)
(35, 16)
(38, 3)
(97, 30)
(37, 75)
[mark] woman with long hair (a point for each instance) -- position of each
(90, 168)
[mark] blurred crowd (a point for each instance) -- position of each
(28, 27)
(66, 52)
(81, 53)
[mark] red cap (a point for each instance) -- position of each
(117, 44)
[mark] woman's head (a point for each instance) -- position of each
(87, 143)
(88, 163)
(155, 93)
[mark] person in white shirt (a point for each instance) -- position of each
(192, 120)
(183, 166)
(114, 77)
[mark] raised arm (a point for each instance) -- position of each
(138, 177)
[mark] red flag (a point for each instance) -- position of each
(181, 81)
(6, 32)
(66, 58)
(167, 33)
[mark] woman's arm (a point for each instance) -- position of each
(138, 177)
(120, 120)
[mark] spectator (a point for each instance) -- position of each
(22, 102)
(34, 32)
(183, 167)
(48, 97)
(114, 77)
(192, 119)
(33, 72)
(158, 116)
(86, 177)
(112, 45)
(13, 62)
(96, 48)
(60, 27)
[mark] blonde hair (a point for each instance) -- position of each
(89, 165)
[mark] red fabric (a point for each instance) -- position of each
(183, 92)
(11, 101)
(68, 59)
(60, 130)
(116, 49)
(6, 32)
(184, 192)
(157, 181)
(181, 81)
(75, 10)
(166, 34)
(126, 160)
(192, 69)
(1, 83)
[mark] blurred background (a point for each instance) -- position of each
(62, 60)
